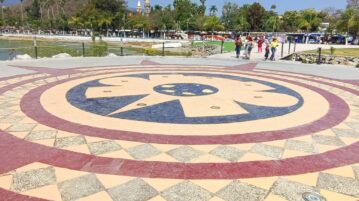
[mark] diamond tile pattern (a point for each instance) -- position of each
(41, 135)
(339, 184)
(24, 181)
(186, 191)
(229, 153)
(346, 133)
(103, 147)
(136, 189)
(291, 190)
(70, 141)
(240, 191)
(184, 153)
(267, 150)
(21, 128)
(300, 146)
(143, 151)
(328, 140)
(80, 187)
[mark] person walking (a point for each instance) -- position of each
(274, 44)
(260, 45)
(267, 50)
(238, 43)
(249, 47)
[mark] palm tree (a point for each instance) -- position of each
(76, 22)
(213, 10)
(105, 19)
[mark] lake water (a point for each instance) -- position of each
(10, 48)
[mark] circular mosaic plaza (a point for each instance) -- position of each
(178, 132)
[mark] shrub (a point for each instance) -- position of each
(332, 50)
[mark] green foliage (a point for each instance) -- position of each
(332, 50)
(255, 16)
(152, 52)
(213, 23)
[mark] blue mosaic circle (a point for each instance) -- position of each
(186, 89)
(172, 111)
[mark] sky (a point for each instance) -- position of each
(282, 5)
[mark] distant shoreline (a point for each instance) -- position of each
(84, 38)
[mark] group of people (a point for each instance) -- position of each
(248, 44)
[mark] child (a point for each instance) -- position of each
(267, 51)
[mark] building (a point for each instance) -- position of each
(139, 7)
(147, 7)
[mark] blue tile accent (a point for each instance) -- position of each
(185, 89)
(172, 112)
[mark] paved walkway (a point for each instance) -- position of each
(287, 50)
(153, 128)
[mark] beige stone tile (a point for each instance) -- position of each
(278, 143)
(162, 157)
(345, 171)
(332, 196)
(110, 181)
(212, 185)
(20, 135)
(79, 148)
(162, 184)
(349, 140)
(324, 148)
(215, 198)
(291, 153)
(49, 142)
(264, 182)
(5, 182)
(4, 126)
(94, 139)
(32, 166)
(128, 144)
(272, 197)
(308, 179)
(118, 154)
(61, 134)
(48, 192)
(63, 174)
(306, 138)
(254, 157)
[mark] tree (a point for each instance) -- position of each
(203, 7)
(182, 12)
(309, 20)
(255, 16)
(290, 21)
(213, 10)
(353, 3)
(229, 15)
(349, 21)
(213, 23)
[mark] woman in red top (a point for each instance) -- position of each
(260, 45)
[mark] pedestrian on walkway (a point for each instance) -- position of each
(274, 44)
(260, 45)
(238, 43)
(249, 47)
(267, 50)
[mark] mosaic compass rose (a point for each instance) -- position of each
(177, 99)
